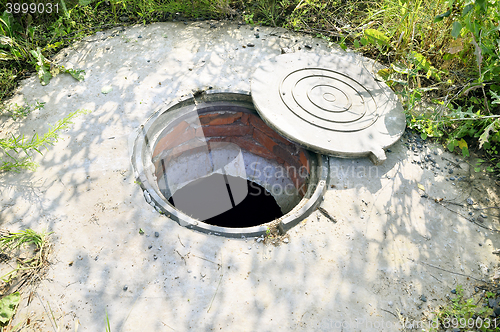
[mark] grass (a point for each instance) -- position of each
(467, 313)
(30, 251)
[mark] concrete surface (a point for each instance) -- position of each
(376, 260)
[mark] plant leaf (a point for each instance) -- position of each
(492, 128)
(8, 305)
(481, 3)
(452, 144)
(421, 187)
(462, 144)
(78, 74)
(420, 61)
(385, 73)
(455, 31)
(441, 16)
(376, 37)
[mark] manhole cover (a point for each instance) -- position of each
(328, 104)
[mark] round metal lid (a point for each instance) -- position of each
(328, 104)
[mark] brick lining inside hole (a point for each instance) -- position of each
(246, 130)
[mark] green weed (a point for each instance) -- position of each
(106, 321)
(8, 308)
(17, 111)
(19, 149)
(465, 313)
(32, 266)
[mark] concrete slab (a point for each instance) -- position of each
(389, 246)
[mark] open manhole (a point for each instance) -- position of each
(211, 164)
(233, 164)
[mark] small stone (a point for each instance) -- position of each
(308, 46)
(285, 241)
(452, 178)
(124, 18)
(155, 257)
(389, 150)
(435, 153)
(250, 44)
(496, 311)
(150, 246)
(470, 201)
(419, 146)
(484, 216)
(125, 288)
(453, 291)
(362, 217)
(456, 159)
(69, 96)
(480, 219)
(423, 298)
(492, 302)
(185, 23)
(157, 234)
(148, 61)
(257, 35)
(450, 171)
(480, 244)
(470, 213)
(139, 36)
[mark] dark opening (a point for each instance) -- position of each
(258, 207)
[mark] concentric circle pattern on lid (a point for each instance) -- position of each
(328, 104)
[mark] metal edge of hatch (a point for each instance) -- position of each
(142, 166)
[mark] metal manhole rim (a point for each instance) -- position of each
(302, 209)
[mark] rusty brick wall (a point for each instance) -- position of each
(246, 130)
